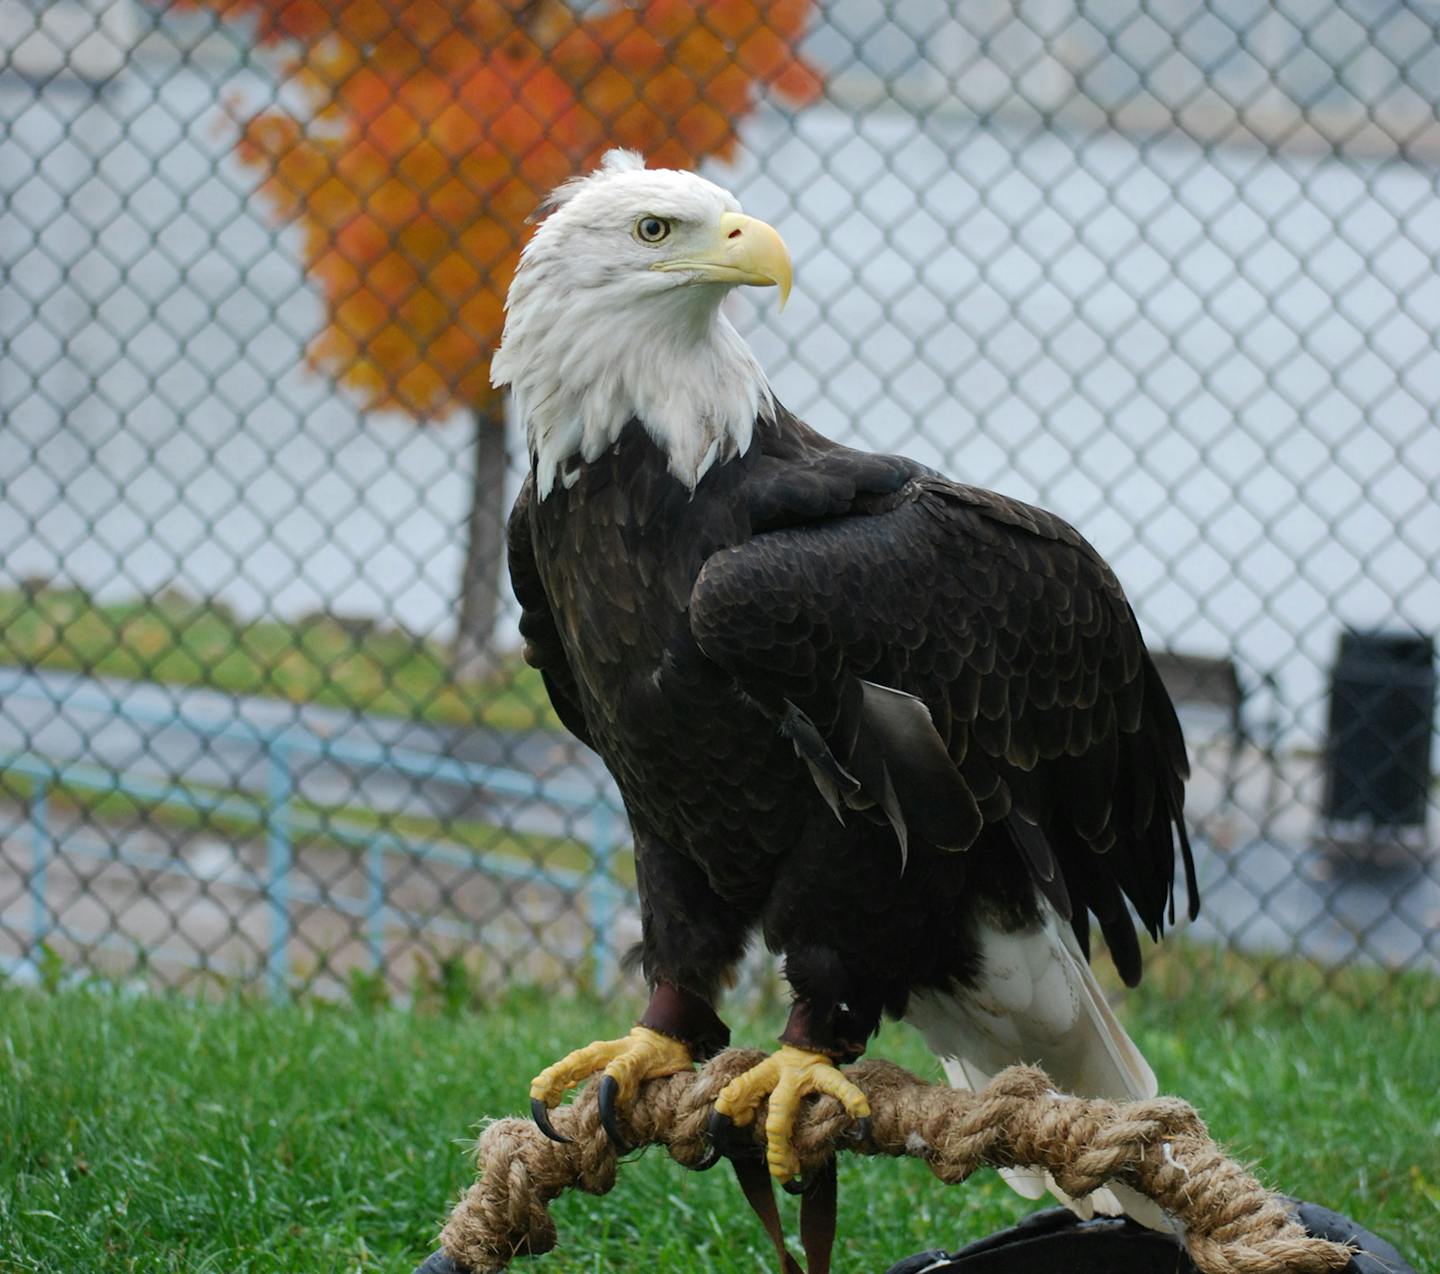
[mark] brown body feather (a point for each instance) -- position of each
(733, 655)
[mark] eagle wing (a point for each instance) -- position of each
(954, 659)
(544, 649)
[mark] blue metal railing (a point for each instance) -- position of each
(289, 750)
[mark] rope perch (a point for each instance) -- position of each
(1160, 1147)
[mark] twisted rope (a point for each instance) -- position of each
(1233, 1225)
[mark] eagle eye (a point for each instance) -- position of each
(651, 229)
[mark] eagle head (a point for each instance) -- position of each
(614, 315)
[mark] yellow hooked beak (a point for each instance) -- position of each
(745, 251)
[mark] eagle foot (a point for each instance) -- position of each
(642, 1054)
(786, 1077)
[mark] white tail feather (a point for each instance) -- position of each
(1037, 1002)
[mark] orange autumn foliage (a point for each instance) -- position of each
(431, 128)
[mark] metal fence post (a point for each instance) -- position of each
(603, 896)
(42, 848)
(279, 855)
(375, 903)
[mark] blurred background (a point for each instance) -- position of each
(1167, 269)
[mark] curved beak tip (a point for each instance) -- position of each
(756, 250)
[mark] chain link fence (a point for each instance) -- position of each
(1168, 269)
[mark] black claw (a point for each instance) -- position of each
(710, 1159)
(540, 1113)
(807, 1184)
(609, 1091)
(439, 1263)
(860, 1134)
(726, 1140)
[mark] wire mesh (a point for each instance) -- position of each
(1167, 269)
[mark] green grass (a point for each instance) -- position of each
(153, 1133)
(176, 639)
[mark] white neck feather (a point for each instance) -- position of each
(580, 368)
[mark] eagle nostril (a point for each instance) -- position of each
(734, 234)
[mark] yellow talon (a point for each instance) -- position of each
(786, 1076)
(643, 1054)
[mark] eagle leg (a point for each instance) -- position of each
(786, 1077)
(642, 1054)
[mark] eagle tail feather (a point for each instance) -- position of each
(1036, 1001)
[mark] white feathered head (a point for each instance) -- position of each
(614, 314)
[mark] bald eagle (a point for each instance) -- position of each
(904, 729)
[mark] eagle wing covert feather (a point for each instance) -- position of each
(544, 650)
(1017, 640)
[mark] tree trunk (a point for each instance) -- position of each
(474, 654)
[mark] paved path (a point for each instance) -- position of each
(198, 898)
(212, 738)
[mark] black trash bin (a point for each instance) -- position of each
(1382, 713)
